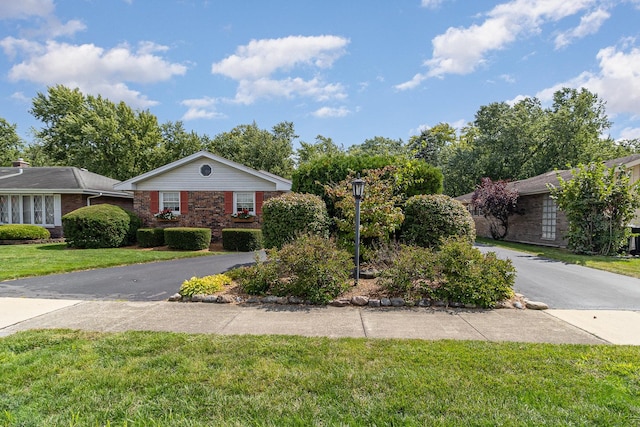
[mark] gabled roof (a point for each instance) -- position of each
(281, 184)
(60, 180)
(538, 184)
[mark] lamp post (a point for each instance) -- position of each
(358, 191)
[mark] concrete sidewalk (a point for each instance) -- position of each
(552, 326)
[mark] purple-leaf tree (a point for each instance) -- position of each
(497, 203)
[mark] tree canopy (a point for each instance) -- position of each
(10, 143)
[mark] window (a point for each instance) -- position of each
(549, 214)
(244, 200)
(170, 201)
(205, 170)
(28, 209)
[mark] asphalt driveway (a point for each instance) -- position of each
(140, 282)
(570, 286)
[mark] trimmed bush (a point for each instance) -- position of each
(23, 232)
(259, 278)
(150, 237)
(457, 272)
(207, 285)
(97, 226)
(241, 239)
(431, 218)
(134, 224)
(291, 214)
(187, 238)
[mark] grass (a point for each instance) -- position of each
(43, 259)
(150, 378)
(628, 266)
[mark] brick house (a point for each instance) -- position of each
(42, 195)
(538, 220)
(203, 190)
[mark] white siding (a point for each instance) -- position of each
(223, 178)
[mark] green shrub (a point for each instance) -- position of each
(259, 278)
(207, 285)
(457, 272)
(314, 269)
(97, 226)
(471, 277)
(150, 237)
(241, 239)
(23, 232)
(187, 238)
(134, 224)
(431, 218)
(291, 214)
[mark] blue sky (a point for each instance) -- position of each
(347, 70)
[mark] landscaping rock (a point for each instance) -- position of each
(360, 300)
(374, 303)
(197, 298)
(397, 302)
(470, 306)
(282, 300)
(424, 303)
(342, 302)
(536, 305)
(225, 299)
(210, 298)
(503, 304)
(296, 300)
(254, 300)
(456, 304)
(175, 297)
(439, 303)
(369, 274)
(518, 305)
(385, 302)
(271, 299)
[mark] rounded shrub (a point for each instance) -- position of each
(23, 232)
(287, 216)
(431, 218)
(207, 285)
(97, 226)
(150, 237)
(187, 238)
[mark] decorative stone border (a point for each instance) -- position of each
(355, 301)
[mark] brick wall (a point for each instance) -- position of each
(205, 209)
(527, 227)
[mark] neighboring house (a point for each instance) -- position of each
(538, 220)
(42, 195)
(203, 190)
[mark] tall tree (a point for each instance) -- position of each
(380, 146)
(94, 133)
(432, 142)
(10, 143)
(322, 147)
(258, 148)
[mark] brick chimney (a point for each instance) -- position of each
(20, 163)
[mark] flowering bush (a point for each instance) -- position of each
(243, 214)
(165, 214)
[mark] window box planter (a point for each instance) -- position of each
(167, 220)
(252, 219)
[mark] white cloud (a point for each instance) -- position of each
(22, 9)
(589, 24)
(328, 112)
(617, 82)
(630, 133)
(92, 69)
(254, 65)
(462, 50)
(200, 108)
(431, 4)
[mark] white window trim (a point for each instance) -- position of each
(57, 209)
(235, 201)
(161, 201)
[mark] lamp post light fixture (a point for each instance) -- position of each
(358, 191)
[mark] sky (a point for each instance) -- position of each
(348, 70)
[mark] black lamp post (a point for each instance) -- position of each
(358, 191)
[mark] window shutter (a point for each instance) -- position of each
(184, 202)
(259, 200)
(228, 202)
(155, 202)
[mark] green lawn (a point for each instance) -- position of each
(629, 266)
(148, 378)
(39, 260)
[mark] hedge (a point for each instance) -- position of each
(150, 237)
(187, 238)
(98, 226)
(23, 232)
(241, 239)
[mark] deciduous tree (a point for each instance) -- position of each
(497, 202)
